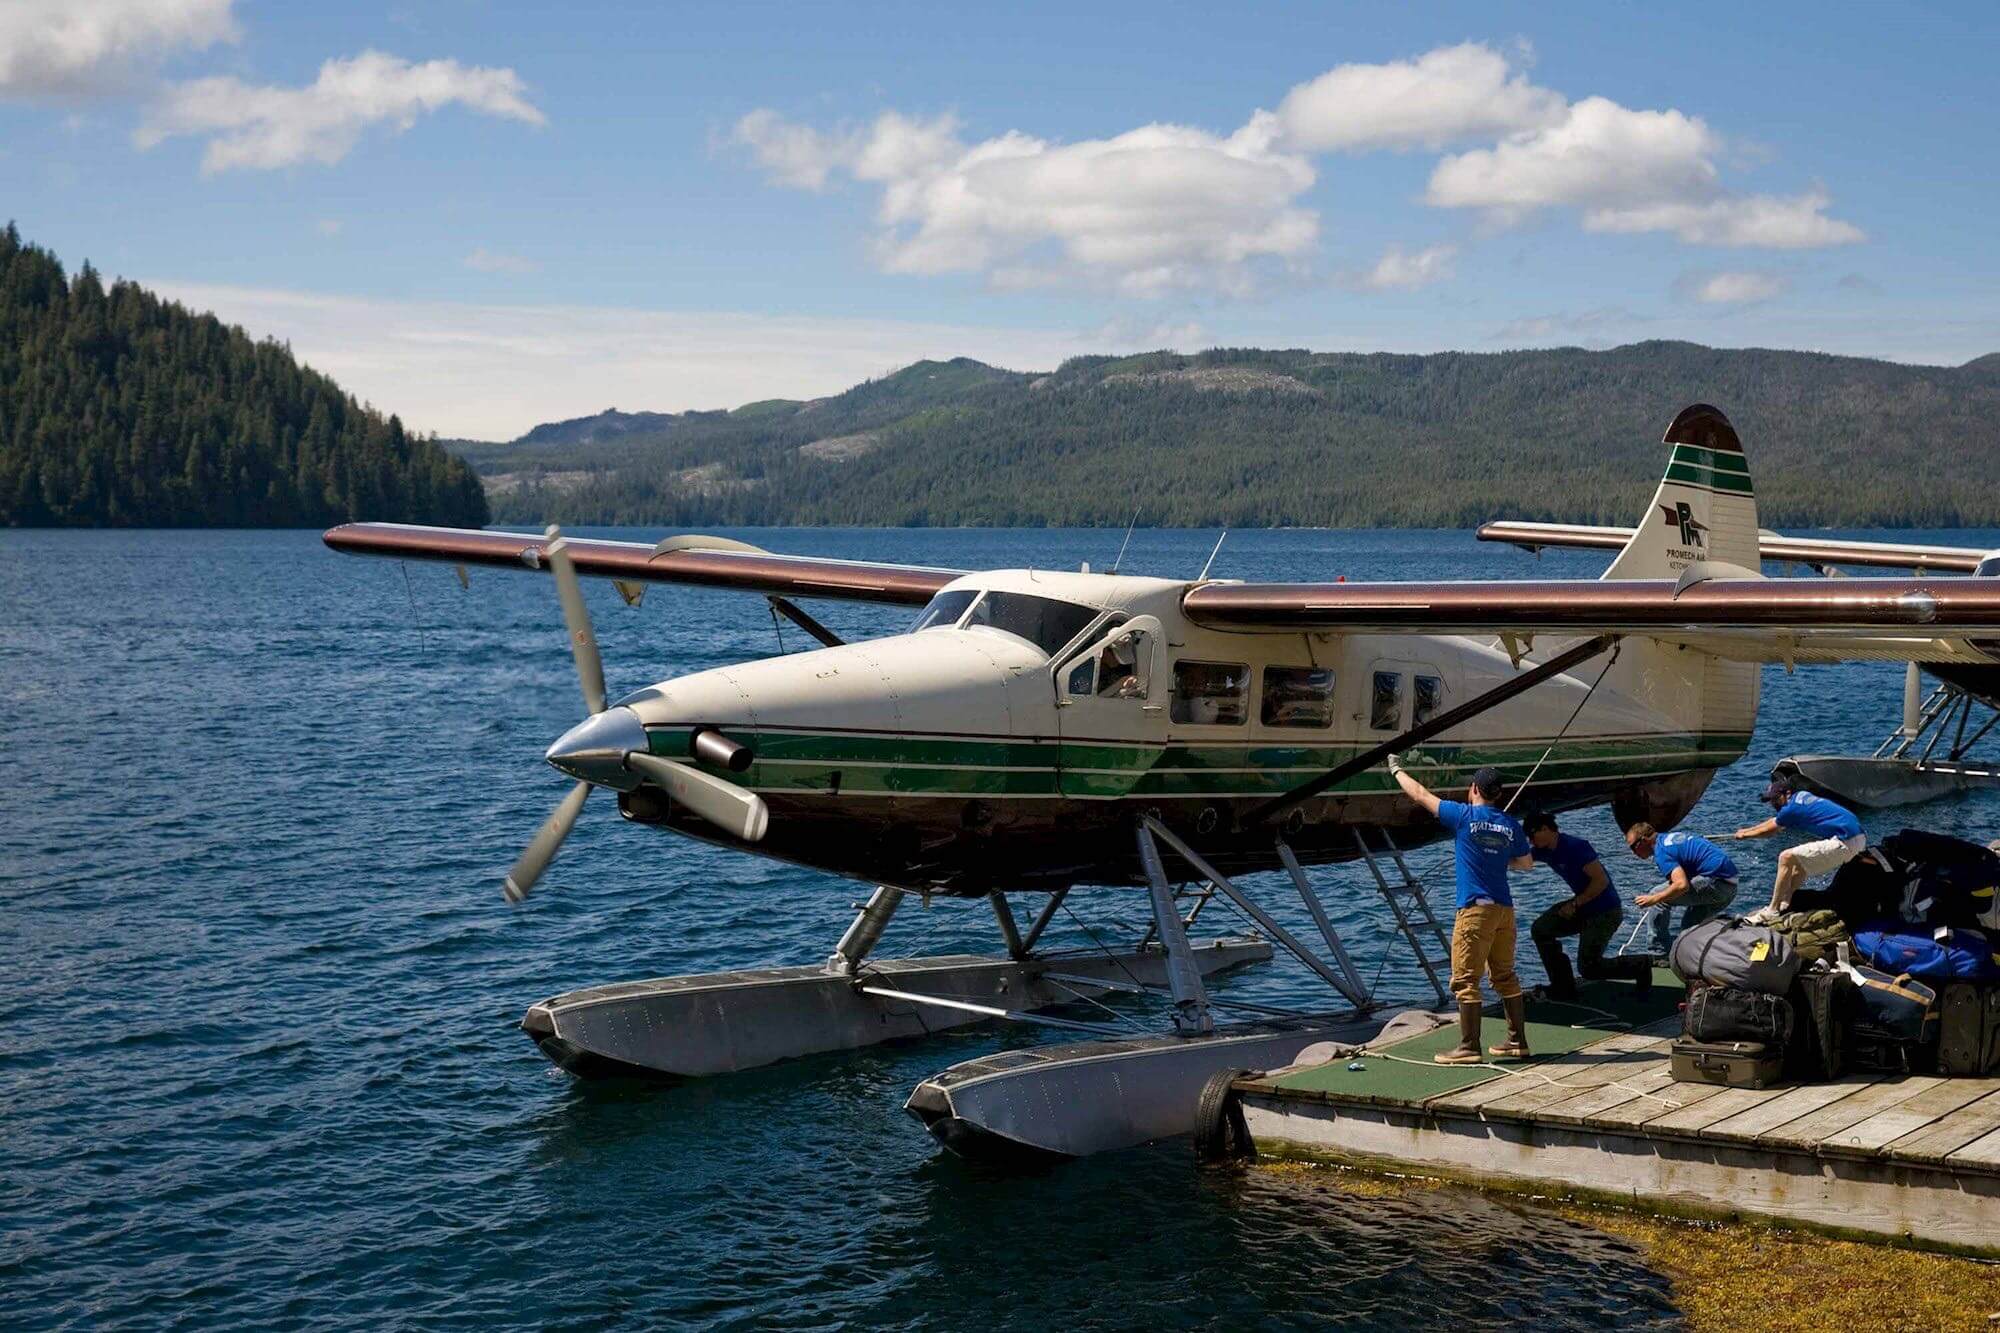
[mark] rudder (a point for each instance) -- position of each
(1705, 509)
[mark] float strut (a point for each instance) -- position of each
(1191, 1016)
(1009, 932)
(867, 928)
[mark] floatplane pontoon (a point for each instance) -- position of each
(1036, 732)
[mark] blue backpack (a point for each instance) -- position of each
(1949, 953)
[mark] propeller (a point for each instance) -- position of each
(611, 744)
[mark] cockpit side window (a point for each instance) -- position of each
(943, 610)
(1042, 621)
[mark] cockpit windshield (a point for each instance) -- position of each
(1042, 621)
(1988, 568)
(943, 610)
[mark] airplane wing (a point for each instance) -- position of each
(1742, 619)
(1816, 553)
(714, 562)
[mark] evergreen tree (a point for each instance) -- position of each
(119, 409)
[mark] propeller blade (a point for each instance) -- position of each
(548, 840)
(582, 639)
(728, 807)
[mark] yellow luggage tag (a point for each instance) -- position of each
(1760, 951)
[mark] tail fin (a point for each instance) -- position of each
(1704, 510)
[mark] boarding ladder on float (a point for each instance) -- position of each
(1411, 908)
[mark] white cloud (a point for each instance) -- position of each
(482, 260)
(1154, 209)
(1405, 270)
(491, 371)
(328, 226)
(1168, 207)
(263, 127)
(795, 155)
(1732, 288)
(1445, 96)
(1771, 222)
(72, 48)
(1631, 171)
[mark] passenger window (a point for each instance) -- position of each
(1385, 709)
(1211, 693)
(1298, 696)
(1424, 704)
(1082, 678)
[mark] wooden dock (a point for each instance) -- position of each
(1913, 1158)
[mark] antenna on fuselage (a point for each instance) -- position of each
(1211, 556)
(1119, 563)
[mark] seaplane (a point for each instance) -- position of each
(1036, 732)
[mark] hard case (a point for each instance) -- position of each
(1733, 1064)
(1969, 1030)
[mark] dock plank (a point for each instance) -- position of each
(1933, 1143)
(1924, 1109)
(1875, 1093)
(1632, 1114)
(1983, 1151)
(1803, 1099)
(1726, 1103)
(1583, 1108)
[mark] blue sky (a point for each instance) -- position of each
(486, 215)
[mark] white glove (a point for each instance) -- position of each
(1395, 763)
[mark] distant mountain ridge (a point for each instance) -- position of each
(119, 409)
(1245, 437)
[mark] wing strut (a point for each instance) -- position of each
(1279, 806)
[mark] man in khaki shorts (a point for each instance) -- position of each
(1836, 839)
(1488, 843)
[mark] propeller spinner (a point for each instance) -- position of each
(609, 749)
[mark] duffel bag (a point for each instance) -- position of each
(1723, 1013)
(1724, 951)
(1823, 1004)
(1949, 953)
(1892, 1008)
(1816, 934)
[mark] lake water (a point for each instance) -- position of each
(259, 1062)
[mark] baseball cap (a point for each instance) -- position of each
(1776, 793)
(1486, 781)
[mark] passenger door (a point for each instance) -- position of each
(1111, 709)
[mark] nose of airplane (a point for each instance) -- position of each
(595, 748)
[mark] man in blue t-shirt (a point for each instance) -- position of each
(1834, 838)
(1488, 842)
(1700, 877)
(1592, 914)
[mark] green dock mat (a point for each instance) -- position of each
(1555, 1028)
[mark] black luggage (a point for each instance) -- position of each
(1724, 1013)
(1950, 882)
(1865, 889)
(1823, 1003)
(1733, 1064)
(1871, 1054)
(1969, 1030)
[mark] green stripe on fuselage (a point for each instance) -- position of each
(854, 763)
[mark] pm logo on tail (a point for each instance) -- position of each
(1679, 515)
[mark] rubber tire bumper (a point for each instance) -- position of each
(1220, 1133)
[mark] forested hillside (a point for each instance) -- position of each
(1261, 438)
(119, 409)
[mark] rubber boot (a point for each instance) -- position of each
(1467, 1050)
(1516, 1045)
(1562, 982)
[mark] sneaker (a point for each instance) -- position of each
(1763, 916)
